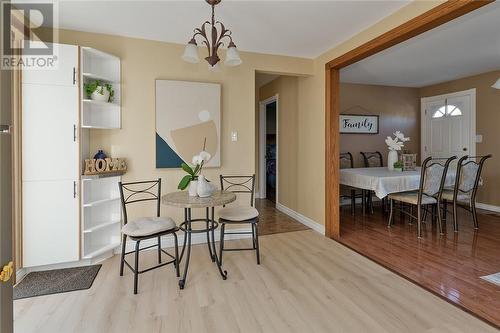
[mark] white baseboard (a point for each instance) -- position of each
(168, 241)
(491, 208)
(301, 218)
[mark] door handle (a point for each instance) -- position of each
(74, 133)
(7, 272)
(74, 75)
(74, 189)
(4, 129)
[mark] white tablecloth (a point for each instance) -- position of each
(383, 182)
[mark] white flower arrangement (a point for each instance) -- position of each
(193, 172)
(396, 143)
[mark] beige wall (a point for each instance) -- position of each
(287, 89)
(397, 108)
(487, 121)
(143, 61)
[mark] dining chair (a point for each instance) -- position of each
(144, 228)
(239, 214)
(347, 162)
(432, 181)
(373, 160)
(467, 181)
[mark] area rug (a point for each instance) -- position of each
(56, 281)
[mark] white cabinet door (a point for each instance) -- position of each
(50, 224)
(50, 163)
(65, 71)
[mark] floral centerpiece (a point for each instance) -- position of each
(395, 144)
(197, 183)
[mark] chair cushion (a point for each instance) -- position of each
(238, 213)
(145, 226)
(461, 197)
(412, 198)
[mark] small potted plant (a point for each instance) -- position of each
(398, 166)
(98, 91)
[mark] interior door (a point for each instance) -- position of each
(50, 169)
(5, 200)
(448, 125)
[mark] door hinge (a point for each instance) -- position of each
(7, 272)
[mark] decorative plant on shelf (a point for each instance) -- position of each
(97, 90)
(193, 172)
(395, 144)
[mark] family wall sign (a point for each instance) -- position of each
(358, 124)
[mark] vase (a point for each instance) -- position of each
(100, 155)
(204, 188)
(193, 188)
(101, 94)
(391, 159)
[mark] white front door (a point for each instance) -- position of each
(448, 124)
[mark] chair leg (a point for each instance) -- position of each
(136, 267)
(391, 213)
(419, 221)
(353, 202)
(410, 218)
(257, 250)
(222, 228)
(253, 238)
(455, 221)
(439, 219)
(363, 196)
(122, 257)
(176, 263)
(159, 249)
(370, 201)
(474, 215)
(445, 209)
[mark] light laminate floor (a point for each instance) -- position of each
(306, 283)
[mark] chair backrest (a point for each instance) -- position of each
(468, 176)
(239, 184)
(433, 176)
(372, 159)
(134, 192)
(346, 160)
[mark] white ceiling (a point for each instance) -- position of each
(294, 28)
(463, 47)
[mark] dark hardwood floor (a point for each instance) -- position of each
(449, 266)
(272, 221)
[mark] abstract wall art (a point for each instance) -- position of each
(187, 118)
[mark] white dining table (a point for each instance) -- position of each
(383, 181)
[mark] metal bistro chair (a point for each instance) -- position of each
(347, 162)
(239, 214)
(145, 227)
(464, 192)
(373, 160)
(432, 181)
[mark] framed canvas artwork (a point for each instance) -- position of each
(187, 119)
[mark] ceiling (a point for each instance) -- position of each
(293, 28)
(463, 47)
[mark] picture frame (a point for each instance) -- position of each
(358, 124)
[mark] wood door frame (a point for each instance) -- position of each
(262, 146)
(431, 19)
(472, 119)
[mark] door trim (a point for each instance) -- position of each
(423, 121)
(262, 145)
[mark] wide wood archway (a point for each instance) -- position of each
(435, 17)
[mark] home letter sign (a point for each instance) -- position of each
(358, 124)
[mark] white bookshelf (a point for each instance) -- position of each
(101, 214)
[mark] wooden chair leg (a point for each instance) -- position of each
(176, 246)
(222, 228)
(257, 250)
(391, 213)
(159, 249)
(122, 257)
(136, 266)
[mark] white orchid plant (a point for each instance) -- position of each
(398, 142)
(195, 170)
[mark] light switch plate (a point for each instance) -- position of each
(479, 138)
(234, 136)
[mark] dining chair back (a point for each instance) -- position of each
(346, 160)
(239, 184)
(433, 177)
(372, 159)
(135, 192)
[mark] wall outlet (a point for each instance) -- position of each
(234, 136)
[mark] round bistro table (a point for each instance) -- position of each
(181, 199)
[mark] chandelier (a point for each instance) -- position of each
(213, 43)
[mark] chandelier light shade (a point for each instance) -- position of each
(213, 38)
(496, 85)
